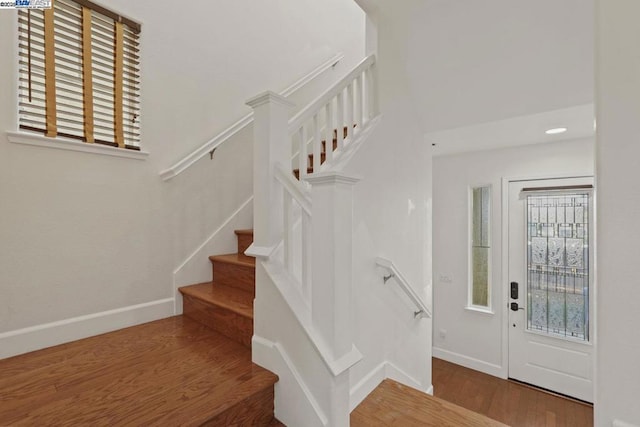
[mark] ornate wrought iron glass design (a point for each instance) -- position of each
(558, 265)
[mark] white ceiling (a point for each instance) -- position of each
(498, 72)
(523, 130)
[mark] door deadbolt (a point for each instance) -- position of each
(514, 290)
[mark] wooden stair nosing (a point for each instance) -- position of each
(230, 298)
(236, 259)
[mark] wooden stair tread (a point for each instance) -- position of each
(173, 371)
(231, 298)
(237, 259)
(392, 403)
(244, 231)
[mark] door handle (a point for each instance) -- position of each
(514, 307)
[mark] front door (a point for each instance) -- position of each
(550, 285)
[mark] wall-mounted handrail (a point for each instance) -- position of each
(423, 311)
(210, 146)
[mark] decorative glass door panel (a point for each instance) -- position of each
(558, 265)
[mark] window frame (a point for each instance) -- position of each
(488, 309)
(36, 137)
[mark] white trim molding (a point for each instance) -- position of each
(33, 338)
(236, 127)
(305, 411)
(282, 282)
(469, 362)
(73, 145)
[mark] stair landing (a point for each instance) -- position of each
(174, 371)
(394, 404)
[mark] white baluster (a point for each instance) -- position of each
(368, 75)
(305, 277)
(317, 143)
(349, 107)
(340, 120)
(288, 231)
(375, 109)
(303, 157)
(357, 105)
(329, 132)
(364, 113)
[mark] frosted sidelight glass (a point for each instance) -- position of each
(480, 246)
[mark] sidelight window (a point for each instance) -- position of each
(479, 289)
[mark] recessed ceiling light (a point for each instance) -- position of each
(555, 131)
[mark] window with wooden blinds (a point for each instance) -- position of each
(79, 73)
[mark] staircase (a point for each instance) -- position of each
(226, 305)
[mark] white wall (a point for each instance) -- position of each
(618, 207)
(475, 339)
(392, 216)
(82, 233)
(480, 61)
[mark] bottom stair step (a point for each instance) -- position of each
(225, 309)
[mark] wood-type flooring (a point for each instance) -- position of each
(506, 401)
(173, 371)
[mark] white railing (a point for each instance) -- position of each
(335, 115)
(393, 272)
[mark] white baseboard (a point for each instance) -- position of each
(295, 405)
(619, 423)
(33, 338)
(469, 362)
(366, 385)
(370, 381)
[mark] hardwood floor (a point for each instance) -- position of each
(506, 401)
(169, 372)
(394, 404)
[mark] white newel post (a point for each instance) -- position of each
(332, 234)
(270, 146)
(331, 276)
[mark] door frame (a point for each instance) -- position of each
(504, 279)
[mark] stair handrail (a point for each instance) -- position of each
(307, 113)
(423, 310)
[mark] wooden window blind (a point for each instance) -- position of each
(79, 73)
